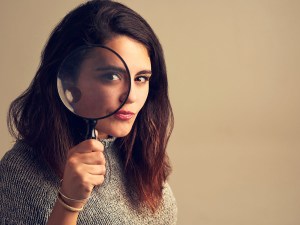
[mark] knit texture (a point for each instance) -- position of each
(28, 192)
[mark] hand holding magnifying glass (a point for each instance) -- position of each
(93, 83)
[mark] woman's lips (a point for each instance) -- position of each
(124, 115)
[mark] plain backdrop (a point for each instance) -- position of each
(234, 74)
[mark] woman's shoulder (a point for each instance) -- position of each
(20, 158)
(166, 213)
(23, 186)
(23, 164)
(19, 167)
(170, 204)
(168, 193)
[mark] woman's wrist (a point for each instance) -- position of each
(68, 206)
(76, 203)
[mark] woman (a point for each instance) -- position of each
(52, 175)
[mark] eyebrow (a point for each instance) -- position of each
(144, 72)
(119, 69)
(109, 68)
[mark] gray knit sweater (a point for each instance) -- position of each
(28, 191)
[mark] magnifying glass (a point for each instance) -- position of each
(93, 82)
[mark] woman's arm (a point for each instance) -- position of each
(85, 168)
(62, 216)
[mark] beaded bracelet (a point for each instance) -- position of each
(66, 206)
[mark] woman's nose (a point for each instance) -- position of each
(131, 97)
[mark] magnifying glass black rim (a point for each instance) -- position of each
(126, 68)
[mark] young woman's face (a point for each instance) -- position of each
(137, 59)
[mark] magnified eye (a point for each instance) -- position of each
(112, 76)
(109, 77)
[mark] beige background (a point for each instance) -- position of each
(234, 69)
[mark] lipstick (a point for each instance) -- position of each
(124, 115)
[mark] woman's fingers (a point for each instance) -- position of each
(92, 158)
(86, 146)
(97, 180)
(95, 170)
(84, 169)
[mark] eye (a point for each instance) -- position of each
(109, 77)
(142, 79)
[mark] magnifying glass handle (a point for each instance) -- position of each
(91, 124)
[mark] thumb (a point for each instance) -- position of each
(90, 145)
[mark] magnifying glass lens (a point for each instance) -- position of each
(93, 82)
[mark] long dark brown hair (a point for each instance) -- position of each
(39, 118)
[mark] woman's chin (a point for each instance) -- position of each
(114, 133)
(119, 133)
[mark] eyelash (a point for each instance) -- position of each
(109, 77)
(147, 78)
